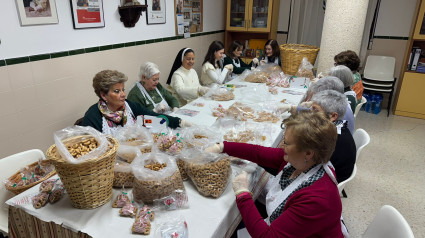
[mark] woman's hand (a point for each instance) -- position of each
(175, 109)
(255, 61)
(203, 90)
(263, 62)
(229, 67)
(285, 108)
(217, 148)
(240, 183)
(160, 108)
(184, 123)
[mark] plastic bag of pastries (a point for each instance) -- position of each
(86, 143)
(210, 172)
(305, 69)
(123, 176)
(133, 139)
(156, 176)
(173, 227)
(220, 93)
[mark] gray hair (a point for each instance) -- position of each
(331, 101)
(104, 80)
(148, 70)
(343, 73)
(327, 83)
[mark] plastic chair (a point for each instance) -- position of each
(378, 76)
(388, 223)
(362, 139)
(9, 166)
(359, 106)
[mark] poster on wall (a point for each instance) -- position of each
(156, 12)
(36, 12)
(87, 13)
(190, 12)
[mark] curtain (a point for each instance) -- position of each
(306, 22)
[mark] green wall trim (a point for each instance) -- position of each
(391, 37)
(32, 58)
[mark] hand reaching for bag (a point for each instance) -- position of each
(240, 183)
(229, 67)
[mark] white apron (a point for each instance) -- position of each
(147, 96)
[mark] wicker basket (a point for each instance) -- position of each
(291, 56)
(88, 184)
(17, 177)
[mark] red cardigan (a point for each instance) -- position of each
(313, 211)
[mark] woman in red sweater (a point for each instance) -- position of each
(303, 200)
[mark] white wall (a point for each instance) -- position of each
(18, 41)
(395, 18)
(283, 15)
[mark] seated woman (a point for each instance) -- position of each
(149, 92)
(343, 158)
(112, 110)
(303, 200)
(325, 83)
(233, 57)
(271, 53)
(344, 74)
(213, 71)
(183, 79)
(350, 59)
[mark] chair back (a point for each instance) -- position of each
(362, 139)
(359, 106)
(388, 223)
(380, 68)
(9, 166)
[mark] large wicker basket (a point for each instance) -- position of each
(15, 178)
(291, 56)
(88, 184)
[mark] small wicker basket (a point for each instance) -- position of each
(291, 56)
(18, 177)
(88, 184)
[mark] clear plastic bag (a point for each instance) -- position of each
(255, 94)
(219, 93)
(155, 176)
(305, 69)
(133, 138)
(123, 176)
(169, 141)
(176, 200)
(83, 141)
(174, 227)
(210, 172)
(199, 136)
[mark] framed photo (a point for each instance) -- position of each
(87, 13)
(187, 3)
(196, 18)
(36, 12)
(196, 6)
(156, 12)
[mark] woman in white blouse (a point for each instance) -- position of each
(213, 71)
(183, 79)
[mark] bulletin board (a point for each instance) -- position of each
(188, 16)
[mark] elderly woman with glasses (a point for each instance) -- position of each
(112, 110)
(303, 198)
(149, 92)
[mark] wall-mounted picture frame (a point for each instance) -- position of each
(87, 13)
(156, 13)
(37, 12)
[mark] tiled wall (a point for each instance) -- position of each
(50, 92)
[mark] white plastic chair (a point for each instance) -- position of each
(359, 106)
(388, 223)
(378, 76)
(9, 166)
(362, 139)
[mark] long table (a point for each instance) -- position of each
(205, 217)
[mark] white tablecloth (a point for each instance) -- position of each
(206, 217)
